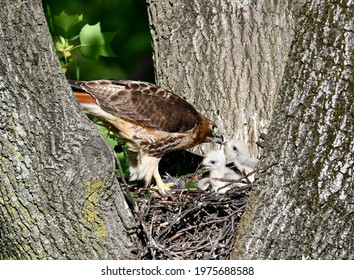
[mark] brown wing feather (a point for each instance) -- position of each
(143, 103)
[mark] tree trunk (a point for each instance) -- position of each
(59, 198)
(303, 206)
(225, 57)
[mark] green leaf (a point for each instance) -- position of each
(62, 45)
(106, 133)
(66, 21)
(95, 43)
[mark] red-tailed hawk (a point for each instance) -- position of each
(220, 176)
(152, 120)
(241, 157)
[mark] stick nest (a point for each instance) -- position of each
(188, 223)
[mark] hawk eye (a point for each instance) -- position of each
(212, 161)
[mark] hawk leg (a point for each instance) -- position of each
(160, 185)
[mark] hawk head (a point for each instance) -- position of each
(214, 160)
(215, 136)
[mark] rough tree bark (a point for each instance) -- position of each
(59, 198)
(226, 57)
(303, 206)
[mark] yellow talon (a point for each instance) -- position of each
(162, 189)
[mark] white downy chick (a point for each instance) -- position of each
(241, 157)
(215, 162)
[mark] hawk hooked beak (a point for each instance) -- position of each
(216, 136)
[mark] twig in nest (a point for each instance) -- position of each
(190, 224)
(127, 193)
